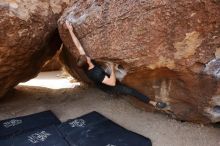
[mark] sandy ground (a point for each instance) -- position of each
(75, 101)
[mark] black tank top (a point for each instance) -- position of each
(96, 74)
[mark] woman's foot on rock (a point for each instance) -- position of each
(161, 105)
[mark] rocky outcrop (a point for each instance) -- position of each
(170, 49)
(28, 38)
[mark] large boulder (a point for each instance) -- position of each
(170, 49)
(28, 38)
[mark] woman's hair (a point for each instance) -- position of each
(82, 62)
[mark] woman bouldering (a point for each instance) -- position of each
(102, 80)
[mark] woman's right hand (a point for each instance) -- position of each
(112, 65)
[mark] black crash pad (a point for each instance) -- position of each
(48, 136)
(18, 125)
(94, 129)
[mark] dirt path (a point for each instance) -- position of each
(70, 103)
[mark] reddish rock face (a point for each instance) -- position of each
(169, 48)
(28, 38)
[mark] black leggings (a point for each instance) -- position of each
(124, 90)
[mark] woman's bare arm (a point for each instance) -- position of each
(75, 39)
(111, 81)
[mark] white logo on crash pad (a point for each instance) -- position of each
(12, 123)
(110, 145)
(77, 123)
(38, 137)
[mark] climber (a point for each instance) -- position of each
(105, 82)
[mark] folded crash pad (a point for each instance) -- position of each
(48, 136)
(23, 124)
(94, 129)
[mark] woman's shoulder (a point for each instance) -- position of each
(94, 69)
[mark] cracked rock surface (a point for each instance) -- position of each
(170, 49)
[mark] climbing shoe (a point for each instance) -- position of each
(161, 105)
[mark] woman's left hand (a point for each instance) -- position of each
(68, 25)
